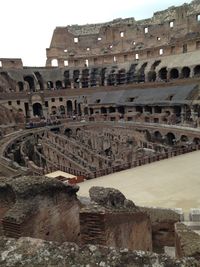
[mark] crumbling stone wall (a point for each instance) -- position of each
(112, 220)
(163, 226)
(7, 200)
(187, 242)
(35, 252)
(43, 208)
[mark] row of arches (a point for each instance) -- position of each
(170, 138)
(104, 76)
(69, 109)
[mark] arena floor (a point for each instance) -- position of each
(170, 183)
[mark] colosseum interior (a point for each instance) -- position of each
(113, 96)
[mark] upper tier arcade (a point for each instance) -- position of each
(173, 31)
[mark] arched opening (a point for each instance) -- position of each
(75, 107)
(85, 110)
(131, 76)
(121, 76)
(93, 77)
(30, 81)
(111, 109)
(163, 74)
(174, 74)
(152, 76)
(170, 139)
(139, 109)
(78, 131)
(79, 109)
(62, 110)
(155, 64)
(49, 85)
(20, 86)
(158, 136)
(53, 110)
(68, 132)
(103, 110)
(69, 108)
(185, 73)
(102, 76)
(112, 77)
(197, 71)
(91, 111)
(184, 138)
(40, 80)
(148, 136)
(76, 80)
(157, 109)
(141, 73)
(85, 78)
(67, 79)
(37, 110)
(196, 141)
(54, 62)
(121, 110)
(148, 109)
(58, 85)
(177, 111)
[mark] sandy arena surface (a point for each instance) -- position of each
(170, 183)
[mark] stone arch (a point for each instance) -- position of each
(103, 110)
(75, 106)
(53, 110)
(68, 132)
(85, 110)
(78, 130)
(185, 72)
(121, 76)
(85, 78)
(174, 73)
(151, 76)
(170, 138)
(121, 109)
(30, 80)
(131, 75)
(91, 111)
(93, 77)
(184, 138)
(39, 79)
(158, 136)
(196, 141)
(102, 76)
(76, 74)
(49, 85)
(197, 71)
(162, 74)
(37, 110)
(67, 79)
(79, 110)
(141, 72)
(69, 107)
(58, 85)
(111, 109)
(148, 109)
(20, 86)
(54, 62)
(62, 109)
(112, 77)
(148, 136)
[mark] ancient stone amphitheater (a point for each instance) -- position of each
(112, 96)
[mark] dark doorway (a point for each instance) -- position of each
(37, 110)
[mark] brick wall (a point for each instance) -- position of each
(118, 229)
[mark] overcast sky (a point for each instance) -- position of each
(26, 26)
